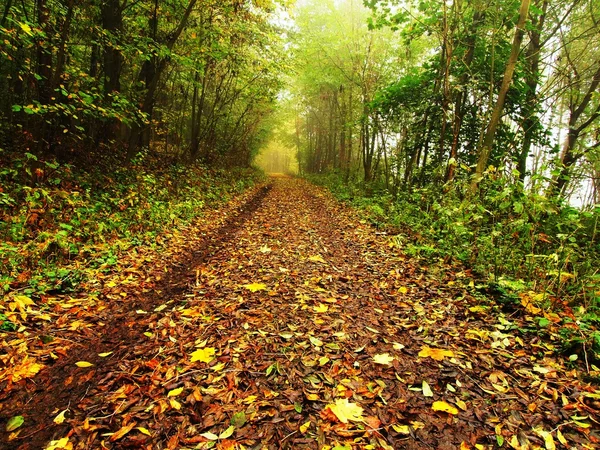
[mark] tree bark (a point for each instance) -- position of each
(488, 140)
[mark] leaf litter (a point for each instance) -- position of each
(329, 339)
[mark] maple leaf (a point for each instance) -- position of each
(383, 358)
(203, 355)
(345, 410)
(435, 353)
(254, 287)
(445, 407)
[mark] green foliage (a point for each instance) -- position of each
(517, 240)
(59, 223)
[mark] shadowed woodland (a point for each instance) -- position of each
(278, 224)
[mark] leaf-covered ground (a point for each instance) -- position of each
(284, 322)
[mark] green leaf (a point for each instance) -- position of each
(14, 423)
(238, 419)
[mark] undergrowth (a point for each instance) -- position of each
(57, 223)
(529, 246)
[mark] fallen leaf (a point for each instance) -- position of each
(227, 433)
(175, 392)
(304, 427)
(435, 353)
(383, 358)
(254, 287)
(25, 370)
(143, 431)
(321, 308)
(427, 392)
(14, 423)
(345, 411)
(60, 418)
(210, 436)
(238, 419)
(317, 258)
(402, 429)
(60, 444)
(203, 355)
(83, 364)
(104, 355)
(122, 432)
(444, 407)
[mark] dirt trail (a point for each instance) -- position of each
(291, 307)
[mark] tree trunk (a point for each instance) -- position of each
(488, 140)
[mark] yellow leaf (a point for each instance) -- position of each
(227, 433)
(548, 439)
(25, 370)
(445, 407)
(265, 249)
(104, 355)
(304, 427)
(175, 392)
(312, 397)
(402, 290)
(218, 367)
(254, 287)
(203, 355)
(60, 418)
(561, 438)
(464, 446)
(402, 429)
(26, 28)
(83, 364)
(317, 258)
(383, 358)
(321, 308)
(435, 353)
(175, 404)
(60, 444)
(143, 431)
(346, 411)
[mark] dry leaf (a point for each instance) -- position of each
(444, 407)
(383, 358)
(345, 411)
(435, 353)
(60, 418)
(205, 355)
(321, 308)
(254, 287)
(427, 392)
(175, 392)
(83, 364)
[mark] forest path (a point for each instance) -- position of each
(294, 325)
